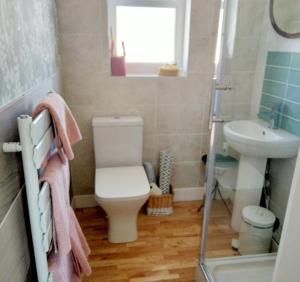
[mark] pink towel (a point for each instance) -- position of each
(69, 241)
(67, 132)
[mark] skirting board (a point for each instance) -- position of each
(188, 194)
(181, 194)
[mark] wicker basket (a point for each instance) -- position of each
(160, 205)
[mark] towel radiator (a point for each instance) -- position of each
(36, 141)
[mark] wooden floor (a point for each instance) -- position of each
(167, 248)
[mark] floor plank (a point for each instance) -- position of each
(167, 248)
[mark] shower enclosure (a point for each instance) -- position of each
(234, 97)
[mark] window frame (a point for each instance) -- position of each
(141, 68)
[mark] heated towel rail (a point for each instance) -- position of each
(36, 141)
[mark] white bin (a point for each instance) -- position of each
(256, 230)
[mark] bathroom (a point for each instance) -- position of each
(234, 59)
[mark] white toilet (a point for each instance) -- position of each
(121, 184)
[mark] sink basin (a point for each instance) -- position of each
(256, 143)
(254, 138)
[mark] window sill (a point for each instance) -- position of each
(150, 76)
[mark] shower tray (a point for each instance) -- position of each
(258, 268)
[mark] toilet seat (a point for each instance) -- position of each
(121, 183)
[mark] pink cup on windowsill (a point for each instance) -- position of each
(118, 66)
(118, 63)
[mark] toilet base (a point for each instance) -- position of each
(122, 218)
(122, 229)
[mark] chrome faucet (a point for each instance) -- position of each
(274, 115)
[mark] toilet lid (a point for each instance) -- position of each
(121, 182)
(258, 216)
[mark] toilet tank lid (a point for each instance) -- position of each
(117, 121)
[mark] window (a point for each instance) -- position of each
(153, 32)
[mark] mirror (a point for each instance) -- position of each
(285, 17)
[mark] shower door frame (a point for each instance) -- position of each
(215, 122)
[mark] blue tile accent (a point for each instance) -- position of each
(277, 74)
(292, 110)
(290, 125)
(293, 93)
(282, 85)
(294, 77)
(279, 59)
(274, 88)
(268, 101)
(264, 114)
(295, 60)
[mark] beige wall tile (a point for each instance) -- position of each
(81, 53)
(204, 18)
(147, 112)
(74, 17)
(168, 105)
(83, 178)
(190, 119)
(201, 55)
(169, 90)
(84, 152)
(149, 150)
(246, 50)
(83, 116)
(250, 26)
(84, 88)
(184, 147)
(187, 174)
(167, 119)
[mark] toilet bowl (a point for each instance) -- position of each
(121, 192)
(121, 184)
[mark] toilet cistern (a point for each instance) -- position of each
(121, 184)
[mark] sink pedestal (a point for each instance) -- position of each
(250, 181)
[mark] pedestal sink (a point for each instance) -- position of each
(256, 143)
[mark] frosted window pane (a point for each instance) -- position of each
(148, 33)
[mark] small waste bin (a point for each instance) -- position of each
(256, 230)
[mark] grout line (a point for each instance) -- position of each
(278, 67)
(281, 98)
(288, 117)
(284, 67)
(275, 81)
(288, 77)
(281, 82)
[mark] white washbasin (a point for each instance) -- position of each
(254, 138)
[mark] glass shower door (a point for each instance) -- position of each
(232, 88)
(216, 127)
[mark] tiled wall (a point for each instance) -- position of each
(175, 110)
(240, 51)
(282, 85)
